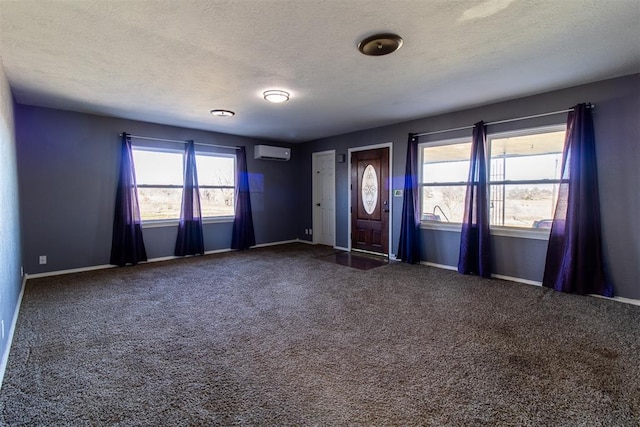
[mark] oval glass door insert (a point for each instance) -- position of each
(369, 189)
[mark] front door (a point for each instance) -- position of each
(370, 200)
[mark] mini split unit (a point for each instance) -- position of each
(267, 152)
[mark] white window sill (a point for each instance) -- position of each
(443, 226)
(217, 219)
(523, 233)
(174, 222)
(517, 232)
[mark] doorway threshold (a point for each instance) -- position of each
(359, 261)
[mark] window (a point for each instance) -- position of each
(524, 175)
(445, 169)
(216, 180)
(159, 175)
(159, 178)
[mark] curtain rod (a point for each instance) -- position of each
(181, 142)
(497, 122)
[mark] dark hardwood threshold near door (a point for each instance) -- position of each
(358, 261)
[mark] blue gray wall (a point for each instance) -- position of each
(10, 252)
(617, 125)
(67, 164)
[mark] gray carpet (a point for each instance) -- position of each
(277, 337)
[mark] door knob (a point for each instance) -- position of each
(317, 204)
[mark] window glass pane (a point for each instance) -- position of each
(217, 201)
(446, 163)
(218, 171)
(529, 206)
(527, 157)
(159, 203)
(166, 168)
(157, 167)
(444, 204)
(215, 170)
(369, 189)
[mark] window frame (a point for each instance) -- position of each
(513, 231)
(496, 230)
(155, 223)
(421, 184)
(219, 218)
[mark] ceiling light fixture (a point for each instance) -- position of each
(380, 44)
(276, 96)
(223, 113)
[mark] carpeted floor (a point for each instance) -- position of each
(275, 336)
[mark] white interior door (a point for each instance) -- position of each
(324, 204)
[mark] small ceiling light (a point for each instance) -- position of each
(223, 113)
(276, 96)
(380, 44)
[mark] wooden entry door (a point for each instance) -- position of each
(370, 200)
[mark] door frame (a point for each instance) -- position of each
(314, 179)
(388, 145)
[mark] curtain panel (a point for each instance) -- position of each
(409, 245)
(475, 240)
(243, 235)
(574, 261)
(190, 239)
(127, 244)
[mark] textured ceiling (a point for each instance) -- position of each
(171, 62)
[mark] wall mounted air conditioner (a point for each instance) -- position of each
(267, 152)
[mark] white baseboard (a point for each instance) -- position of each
(306, 242)
(170, 257)
(12, 329)
(69, 271)
(340, 248)
(516, 279)
(619, 299)
(282, 242)
(494, 276)
(533, 283)
(443, 266)
(158, 259)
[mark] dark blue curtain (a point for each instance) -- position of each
(243, 236)
(475, 243)
(409, 246)
(127, 246)
(574, 253)
(190, 240)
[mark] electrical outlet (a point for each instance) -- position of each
(2, 322)
(43, 259)
(310, 232)
(21, 271)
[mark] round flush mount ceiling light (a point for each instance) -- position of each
(223, 113)
(276, 96)
(380, 44)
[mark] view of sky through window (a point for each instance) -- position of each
(524, 175)
(159, 175)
